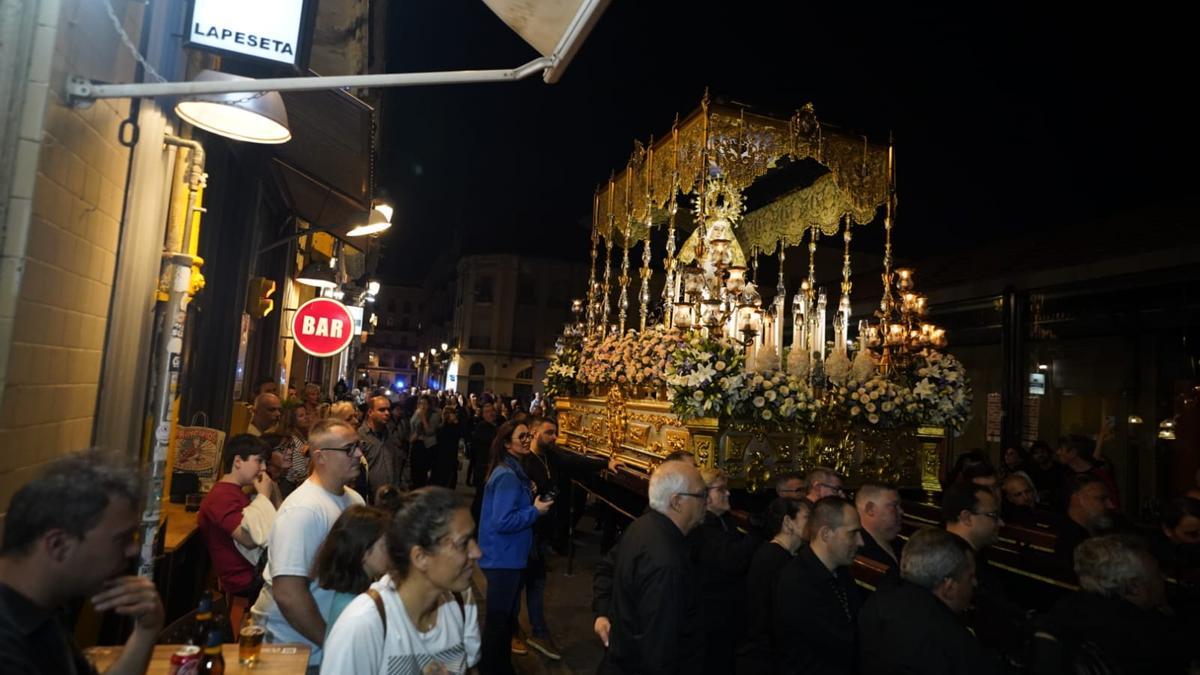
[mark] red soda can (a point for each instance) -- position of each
(186, 661)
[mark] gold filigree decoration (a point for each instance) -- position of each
(721, 200)
(657, 421)
(741, 147)
(787, 219)
(737, 447)
(744, 147)
(639, 434)
(704, 450)
(615, 409)
(598, 433)
(677, 441)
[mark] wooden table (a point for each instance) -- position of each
(181, 525)
(277, 659)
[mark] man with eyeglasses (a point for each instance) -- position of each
(823, 482)
(652, 620)
(972, 513)
(291, 606)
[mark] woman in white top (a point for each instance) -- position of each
(412, 621)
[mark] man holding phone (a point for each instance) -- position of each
(550, 468)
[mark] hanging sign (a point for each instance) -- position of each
(270, 30)
(323, 327)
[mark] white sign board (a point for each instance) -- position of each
(261, 29)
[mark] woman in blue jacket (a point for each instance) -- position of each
(506, 537)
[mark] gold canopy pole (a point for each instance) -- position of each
(623, 304)
(644, 294)
(887, 303)
(607, 258)
(591, 289)
(669, 290)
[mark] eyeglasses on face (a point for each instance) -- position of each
(348, 449)
(524, 436)
(835, 488)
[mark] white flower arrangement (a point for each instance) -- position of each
(877, 403)
(774, 399)
(942, 390)
(705, 377)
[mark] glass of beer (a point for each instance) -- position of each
(250, 640)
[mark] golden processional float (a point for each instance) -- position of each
(707, 367)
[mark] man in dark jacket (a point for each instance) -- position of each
(881, 516)
(481, 446)
(1116, 617)
(656, 626)
(817, 602)
(914, 627)
(546, 465)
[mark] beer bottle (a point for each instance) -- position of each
(213, 662)
(204, 620)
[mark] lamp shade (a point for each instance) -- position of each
(318, 275)
(243, 116)
(377, 222)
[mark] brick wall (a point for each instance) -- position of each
(59, 262)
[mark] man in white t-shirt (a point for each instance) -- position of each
(291, 606)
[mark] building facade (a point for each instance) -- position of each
(509, 312)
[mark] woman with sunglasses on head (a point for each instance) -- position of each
(506, 537)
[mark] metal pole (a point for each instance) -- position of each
(169, 353)
(80, 88)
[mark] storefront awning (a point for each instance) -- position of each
(325, 171)
(554, 28)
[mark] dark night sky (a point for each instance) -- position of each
(1010, 118)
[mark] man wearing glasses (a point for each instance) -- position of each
(823, 482)
(653, 614)
(291, 606)
(972, 512)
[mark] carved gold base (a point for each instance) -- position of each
(640, 432)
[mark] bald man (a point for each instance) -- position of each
(265, 414)
(881, 515)
(655, 626)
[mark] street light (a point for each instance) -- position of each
(252, 117)
(379, 220)
(318, 275)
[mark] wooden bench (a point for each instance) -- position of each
(867, 572)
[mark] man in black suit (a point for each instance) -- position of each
(817, 601)
(914, 627)
(881, 516)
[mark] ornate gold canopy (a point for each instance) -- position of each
(740, 147)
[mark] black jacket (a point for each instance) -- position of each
(813, 632)
(1130, 640)
(480, 447)
(654, 610)
(906, 630)
(722, 556)
(875, 551)
(755, 652)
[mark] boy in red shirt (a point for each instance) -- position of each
(235, 528)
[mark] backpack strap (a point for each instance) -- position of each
(379, 606)
(462, 608)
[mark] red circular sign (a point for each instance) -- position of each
(322, 327)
